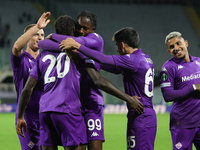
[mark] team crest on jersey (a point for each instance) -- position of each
(164, 77)
(94, 134)
(31, 144)
(165, 84)
(178, 145)
(180, 67)
(197, 63)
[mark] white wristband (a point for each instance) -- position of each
(194, 86)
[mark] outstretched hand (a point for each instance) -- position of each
(136, 105)
(43, 20)
(69, 44)
(21, 123)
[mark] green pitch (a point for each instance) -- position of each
(115, 132)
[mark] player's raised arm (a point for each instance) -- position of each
(24, 38)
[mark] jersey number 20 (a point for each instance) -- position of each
(56, 61)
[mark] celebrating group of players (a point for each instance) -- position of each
(58, 89)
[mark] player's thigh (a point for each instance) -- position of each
(79, 147)
(141, 138)
(94, 119)
(95, 145)
(182, 138)
(196, 140)
(48, 133)
(49, 148)
(70, 128)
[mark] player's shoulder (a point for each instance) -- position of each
(94, 35)
(45, 52)
(195, 58)
(170, 62)
(169, 66)
(147, 58)
(26, 57)
(42, 54)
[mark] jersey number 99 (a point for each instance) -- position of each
(94, 123)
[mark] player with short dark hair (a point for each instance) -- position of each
(92, 98)
(138, 77)
(86, 22)
(179, 79)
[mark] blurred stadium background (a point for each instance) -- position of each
(153, 19)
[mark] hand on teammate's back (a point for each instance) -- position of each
(136, 105)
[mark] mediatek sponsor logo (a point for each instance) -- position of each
(191, 77)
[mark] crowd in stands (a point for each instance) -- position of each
(4, 31)
(5, 41)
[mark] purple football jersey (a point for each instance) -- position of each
(138, 78)
(21, 67)
(178, 76)
(61, 82)
(90, 94)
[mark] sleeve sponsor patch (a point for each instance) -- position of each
(167, 84)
